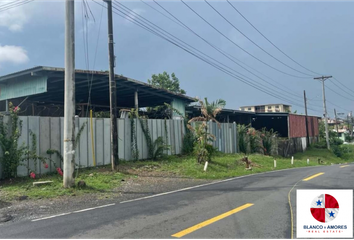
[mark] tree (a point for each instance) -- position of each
(164, 81)
(209, 110)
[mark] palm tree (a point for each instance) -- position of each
(209, 110)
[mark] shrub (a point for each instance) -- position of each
(155, 148)
(242, 138)
(188, 143)
(268, 138)
(254, 140)
(9, 135)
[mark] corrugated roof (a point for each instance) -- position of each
(126, 85)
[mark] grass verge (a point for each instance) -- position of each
(228, 165)
(102, 180)
(98, 180)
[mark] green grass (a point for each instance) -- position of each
(102, 180)
(348, 151)
(228, 165)
(98, 180)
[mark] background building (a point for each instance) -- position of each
(267, 108)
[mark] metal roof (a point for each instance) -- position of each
(224, 110)
(279, 114)
(267, 105)
(148, 94)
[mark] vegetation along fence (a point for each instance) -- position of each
(49, 133)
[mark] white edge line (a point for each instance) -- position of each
(58, 215)
(221, 181)
(88, 209)
(83, 210)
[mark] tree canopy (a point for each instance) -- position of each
(165, 81)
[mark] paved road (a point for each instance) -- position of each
(220, 210)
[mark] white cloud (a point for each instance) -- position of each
(14, 18)
(13, 54)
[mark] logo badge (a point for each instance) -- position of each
(324, 208)
(318, 214)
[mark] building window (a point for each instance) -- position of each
(249, 109)
(269, 107)
(277, 106)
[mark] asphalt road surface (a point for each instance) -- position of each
(255, 206)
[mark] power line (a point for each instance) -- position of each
(94, 63)
(220, 50)
(338, 106)
(342, 84)
(270, 40)
(234, 43)
(254, 43)
(339, 94)
(343, 89)
(14, 4)
(134, 20)
(131, 11)
(217, 48)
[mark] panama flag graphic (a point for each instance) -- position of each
(324, 208)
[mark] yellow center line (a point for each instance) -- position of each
(313, 176)
(344, 166)
(210, 221)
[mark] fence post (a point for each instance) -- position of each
(292, 160)
(308, 161)
(275, 163)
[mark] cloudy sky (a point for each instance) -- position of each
(317, 35)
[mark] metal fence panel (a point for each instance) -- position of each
(49, 132)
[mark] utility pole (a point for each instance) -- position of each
(351, 120)
(112, 89)
(69, 95)
(323, 79)
(306, 121)
(335, 115)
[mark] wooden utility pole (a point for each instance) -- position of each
(306, 121)
(323, 79)
(112, 89)
(69, 95)
(335, 115)
(351, 120)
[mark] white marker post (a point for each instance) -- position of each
(308, 161)
(275, 163)
(205, 166)
(292, 160)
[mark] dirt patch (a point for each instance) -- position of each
(143, 181)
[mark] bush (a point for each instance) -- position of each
(188, 143)
(337, 150)
(322, 144)
(335, 141)
(242, 138)
(348, 138)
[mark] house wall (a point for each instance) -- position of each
(49, 133)
(180, 106)
(297, 126)
(268, 108)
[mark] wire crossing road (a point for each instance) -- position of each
(255, 206)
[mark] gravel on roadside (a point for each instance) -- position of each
(144, 184)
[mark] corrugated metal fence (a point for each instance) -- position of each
(49, 133)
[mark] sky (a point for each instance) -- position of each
(319, 35)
